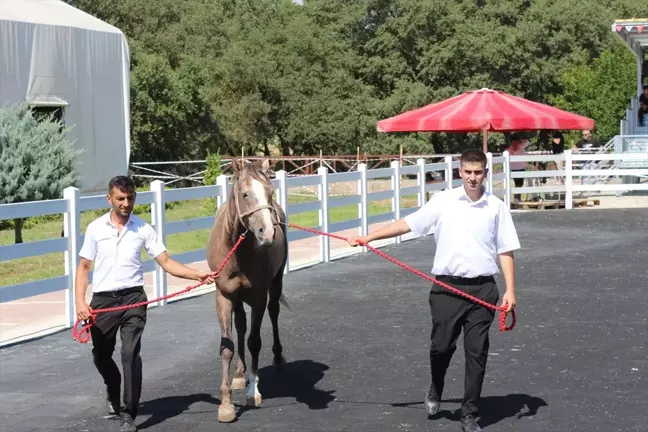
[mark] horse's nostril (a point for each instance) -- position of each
(261, 230)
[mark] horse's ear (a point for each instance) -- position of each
(237, 165)
(265, 167)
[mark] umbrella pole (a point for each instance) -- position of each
(485, 141)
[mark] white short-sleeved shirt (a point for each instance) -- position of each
(469, 235)
(117, 257)
(517, 166)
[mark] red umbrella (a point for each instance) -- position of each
(482, 111)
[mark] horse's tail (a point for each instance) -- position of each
(284, 301)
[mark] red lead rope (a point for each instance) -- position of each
(83, 334)
(502, 309)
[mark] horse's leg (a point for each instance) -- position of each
(254, 345)
(273, 310)
(226, 411)
(240, 322)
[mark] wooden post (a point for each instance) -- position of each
(569, 194)
(71, 230)
(158, 216)
(325, 243)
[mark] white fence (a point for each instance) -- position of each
(72, 205)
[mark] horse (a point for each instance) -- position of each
(253, 275)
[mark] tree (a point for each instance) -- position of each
(601, 90)
(262, 74)
(209, 178)
(171, 120)
(36, 158)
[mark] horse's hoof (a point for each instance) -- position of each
(239, 383)
(226, 413)
(279, 364)
(254, 401)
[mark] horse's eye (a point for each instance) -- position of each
(245, 194)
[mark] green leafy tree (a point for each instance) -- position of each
(36, 158)
(212, 172)
(171, 119)
(267, 74)
(600, 90)
(213, 169)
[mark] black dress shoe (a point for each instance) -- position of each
(469, 424)
(127, 423)
(432, 401)
(431, 405)
(110, 407)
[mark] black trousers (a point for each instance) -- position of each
(452, 313)
(130, 324)
(519, 182)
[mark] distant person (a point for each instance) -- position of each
(588, 142)
(557, 142)
(643, 106)
(114, 242)
(517, 148)
(557, 147)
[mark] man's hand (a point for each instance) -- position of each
(357, 240)
(509, 300)
(83, 311)
(206, 278)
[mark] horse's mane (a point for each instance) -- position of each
(253, 170)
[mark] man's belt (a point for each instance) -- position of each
(120, 292)
(479, 280)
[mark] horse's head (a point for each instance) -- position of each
(252, 193)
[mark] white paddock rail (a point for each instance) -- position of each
(570, 161)
(72, 205)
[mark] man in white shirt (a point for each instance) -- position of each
(114, 242)
(472, 229)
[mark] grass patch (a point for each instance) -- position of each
(52, 265)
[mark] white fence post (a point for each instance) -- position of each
(448, 172)
(71, 230)
(507, 179)
(421, 181)
(489, 167)
(396, 187)
(282, 178)
(568, 180)
(158, 218)
(225, 187)
(362, 207)
(325, 241)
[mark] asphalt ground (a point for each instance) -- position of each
(357, 342)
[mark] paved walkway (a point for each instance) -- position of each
(357, 345)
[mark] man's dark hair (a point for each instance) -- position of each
(473, 155)
(123, 183)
